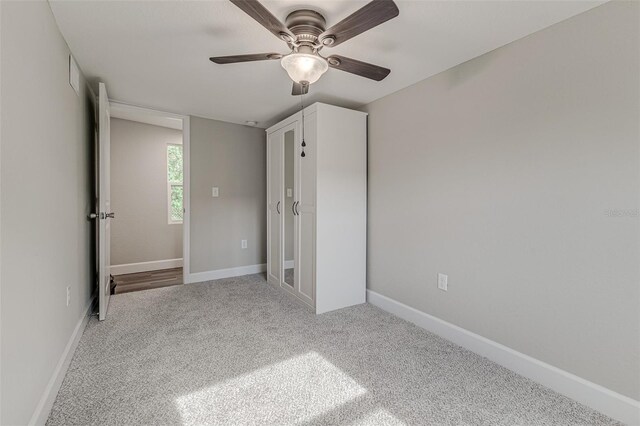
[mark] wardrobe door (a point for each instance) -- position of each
(306, 211)
(274, 207)
(289, 282)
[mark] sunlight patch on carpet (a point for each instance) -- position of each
(379, 417)
(294, 390)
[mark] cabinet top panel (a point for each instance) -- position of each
(308, 110)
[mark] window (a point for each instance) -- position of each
(174, 183)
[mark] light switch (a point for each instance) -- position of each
(289, 192)
(214, 191)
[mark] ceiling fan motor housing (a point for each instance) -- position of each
(307, 25)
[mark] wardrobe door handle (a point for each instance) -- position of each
(297, 211)
(293, 208)
(278, 207)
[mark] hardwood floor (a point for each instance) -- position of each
(147, 280)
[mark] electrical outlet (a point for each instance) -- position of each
(68, 295)
(442, 282)
(215, 192)
(243, 244)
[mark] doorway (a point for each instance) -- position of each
(149, 193)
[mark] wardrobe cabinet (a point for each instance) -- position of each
(317, 206)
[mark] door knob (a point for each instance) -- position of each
(92, 216)
(110, 215)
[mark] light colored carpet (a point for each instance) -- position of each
(237, 351)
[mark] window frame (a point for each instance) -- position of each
(171, 184)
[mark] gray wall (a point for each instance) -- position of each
(233, 158)
(501, 173)
(141, 231)
(47, 141)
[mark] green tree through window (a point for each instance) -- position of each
(175, 181)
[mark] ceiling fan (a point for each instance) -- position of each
(305, 34)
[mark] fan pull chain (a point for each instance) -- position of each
(304, 144)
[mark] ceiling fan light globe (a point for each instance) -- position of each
(304, 67)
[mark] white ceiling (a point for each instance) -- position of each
(156, 54)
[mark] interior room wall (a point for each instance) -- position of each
(141, 231)
(232, 158)
(289, 156)
(46, 195)
(516, 174)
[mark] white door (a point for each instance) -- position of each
(104, 214)
(274, 207)
(305, 172)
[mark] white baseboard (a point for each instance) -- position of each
(288, 264)
(155, 265)
(598, 397)
(199, 277)
(45, 404)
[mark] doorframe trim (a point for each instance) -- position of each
(175, 121)
(186, 197)
(146, 115)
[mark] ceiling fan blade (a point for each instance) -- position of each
(299, 89)
(369, 16)
(245, 58)
(363, 69)
(258, 12)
